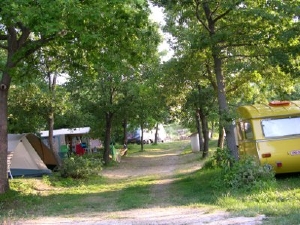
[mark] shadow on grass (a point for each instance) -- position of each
(103, 197)
(186, 189)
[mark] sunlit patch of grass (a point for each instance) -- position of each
(135, 148)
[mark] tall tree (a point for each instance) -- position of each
(131, 41)
(237, 35)
(25, 27)
(83, 26)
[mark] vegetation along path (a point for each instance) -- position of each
(148, 178)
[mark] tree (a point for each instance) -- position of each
(26, 26)
(108, 66)
(236, 35)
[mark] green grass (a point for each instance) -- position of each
(27, 198)
(136, 149)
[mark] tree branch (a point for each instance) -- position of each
(30, 47)
(11, 39)
(210, 77)
(198, 15)
(227, 11)
(24, 36)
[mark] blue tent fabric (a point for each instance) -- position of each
(29, 172)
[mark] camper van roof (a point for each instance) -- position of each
(80, 130)
(265, 110)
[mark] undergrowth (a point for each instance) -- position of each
(79, 167)
(245, 173)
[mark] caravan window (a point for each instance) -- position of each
(245, 130)
(248, 130)
(239, 130)
(281, 127)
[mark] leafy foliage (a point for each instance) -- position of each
(79, 167)
(246, 173)
(220, 159)
(249, 174)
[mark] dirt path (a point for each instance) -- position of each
(164, 165)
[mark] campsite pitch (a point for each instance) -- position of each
(162, 168)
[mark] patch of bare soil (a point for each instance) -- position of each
(164, 165)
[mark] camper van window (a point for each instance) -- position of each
(248, 130)
(239, 132)
(281, 127)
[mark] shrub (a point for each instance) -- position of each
(246, 173)
(220, 159)
(79, 167)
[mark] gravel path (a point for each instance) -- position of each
(165, 165)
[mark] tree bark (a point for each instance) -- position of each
(51, 138)
(142, 137)
(221, 93)
(223, 107)
(107, 139)
(156, 134)
(125, 131)
(205, 133)
(221, 136)
(52, 86)
(4, 87)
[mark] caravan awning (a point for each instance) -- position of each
(81, 130)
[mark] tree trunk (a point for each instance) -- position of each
(205, 133)
(107, 139)
(199, 130)
(4, 87)
(125, 131)
(142, 137)
(221, 136)
(52, 86)
(16, 40)
(156, 134)
(221, 93)
(223, 108)
(50, 139)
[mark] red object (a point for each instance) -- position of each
(279, 103)
(79, 149)
(266, 155)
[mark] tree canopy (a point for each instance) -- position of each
(105, 38)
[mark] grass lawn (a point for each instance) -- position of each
(51, 196)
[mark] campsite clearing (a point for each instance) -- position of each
(139, 191)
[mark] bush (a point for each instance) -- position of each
(220, 159)
(246, 173)
(79, 167)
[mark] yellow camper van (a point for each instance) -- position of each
(271, 132)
